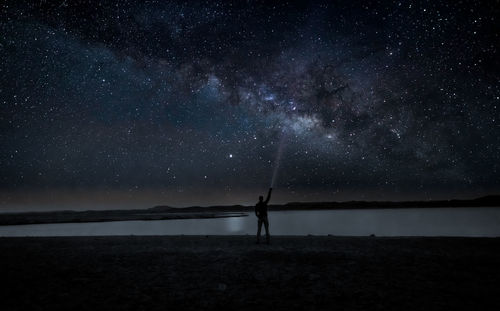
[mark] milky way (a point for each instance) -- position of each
(384, 99)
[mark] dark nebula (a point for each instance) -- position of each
(372, 100)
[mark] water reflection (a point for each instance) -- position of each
(235, 224)
(381, 222)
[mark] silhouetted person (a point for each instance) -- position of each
(261, 213)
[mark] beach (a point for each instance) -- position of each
(232, 272)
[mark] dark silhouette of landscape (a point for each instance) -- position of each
(163, 212)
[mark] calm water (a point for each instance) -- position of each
(381, 222)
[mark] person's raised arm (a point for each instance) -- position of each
(269, 195)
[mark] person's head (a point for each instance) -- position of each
(261, 198)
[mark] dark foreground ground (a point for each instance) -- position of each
(232, 273)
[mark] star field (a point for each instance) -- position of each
(379, 99)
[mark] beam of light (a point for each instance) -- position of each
(277, 161)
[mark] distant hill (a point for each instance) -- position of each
(486, 201)
(167, 212)
(494, 199)
(490, 200)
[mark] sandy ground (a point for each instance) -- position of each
(231, 272)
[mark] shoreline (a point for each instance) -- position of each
(39, 218)
(168, 213)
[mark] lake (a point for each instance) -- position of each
(472, 222)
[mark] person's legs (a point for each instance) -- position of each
(259, 227)
(266, 224)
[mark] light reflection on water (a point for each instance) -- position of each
(482, 221)
(235, 224)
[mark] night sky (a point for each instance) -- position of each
(190, 102)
